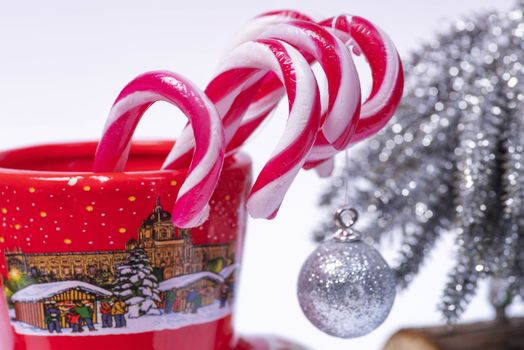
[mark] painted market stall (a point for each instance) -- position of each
(32, 303)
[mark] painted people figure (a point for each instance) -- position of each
(194, 300)
(86, 314)
(105, 311)
(180, 297)
(118, 311)
(224, 295)
(73, 318)
(52, 318)
(171, 299)
(230, 282)
(190, 298)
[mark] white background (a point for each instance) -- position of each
(62, 63)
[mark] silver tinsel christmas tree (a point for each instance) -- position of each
(452, 161)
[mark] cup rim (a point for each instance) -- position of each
(87, 148)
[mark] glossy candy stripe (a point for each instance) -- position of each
(191, 207)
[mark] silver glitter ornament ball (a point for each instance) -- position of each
(346, 288)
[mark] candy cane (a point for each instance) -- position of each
(180, 155)
(387, 73)
(191, 206)
(343, 92)
(271, 91)
(342, 104)
(386, 70)
(240, 71)
(376, 111)
(262, 22)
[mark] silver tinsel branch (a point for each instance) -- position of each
(451, 161)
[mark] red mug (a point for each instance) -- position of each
(92, 260)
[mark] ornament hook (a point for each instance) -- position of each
(345, 218)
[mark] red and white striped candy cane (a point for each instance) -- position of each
(341, 99)
(240, 71)
(262, 22)
(386, 70)
(191, 206)
(376, 111)
(342, 106)
(270, 91)
(387, 74)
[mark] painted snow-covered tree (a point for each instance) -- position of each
(137, 285)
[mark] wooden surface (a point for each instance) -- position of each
(495, 335)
